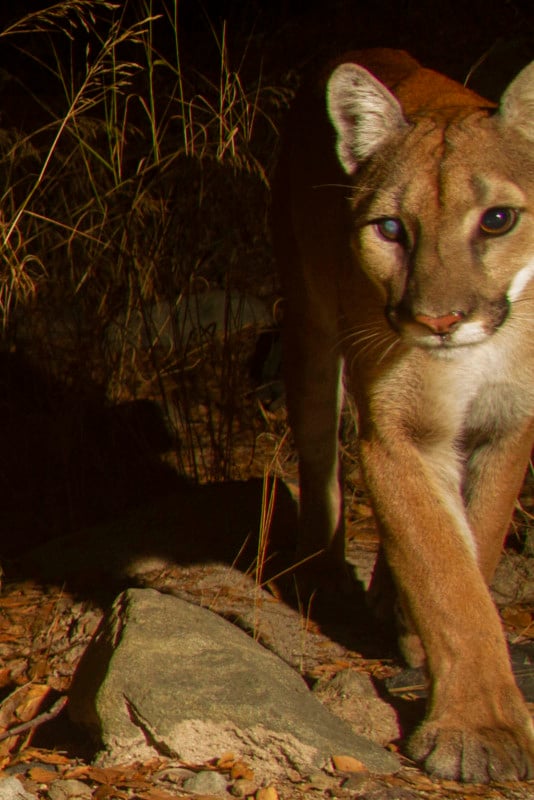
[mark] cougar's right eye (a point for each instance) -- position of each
(391, 229)
(498, 221)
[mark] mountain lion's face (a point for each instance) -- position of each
(447, 231)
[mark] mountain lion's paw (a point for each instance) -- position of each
(474, 756)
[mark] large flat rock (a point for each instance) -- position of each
(165, 677)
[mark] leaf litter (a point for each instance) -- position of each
(53, 630)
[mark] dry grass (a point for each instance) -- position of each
(138, 197)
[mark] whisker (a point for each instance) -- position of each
(365, 341)
(357, 339)
(360, 334)
(388, 350)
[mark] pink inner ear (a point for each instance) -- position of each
(363, 111)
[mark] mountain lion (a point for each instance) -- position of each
(403, 216)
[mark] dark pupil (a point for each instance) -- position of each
(496, 219)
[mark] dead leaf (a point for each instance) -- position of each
(517, 617)
(107, 775)
(226, 761)
(348, 764)
(106, 791)
(156, 794)
(22, 704)
(5, 676)
(42, 775)
(241, 770)
(268, 793)
(44, 756)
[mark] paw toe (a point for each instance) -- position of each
(472, 756)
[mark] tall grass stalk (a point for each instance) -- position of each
(102, 205)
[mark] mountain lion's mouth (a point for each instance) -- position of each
(456, 329)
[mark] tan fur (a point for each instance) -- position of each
(435, 336)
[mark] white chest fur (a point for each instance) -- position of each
(487, 388)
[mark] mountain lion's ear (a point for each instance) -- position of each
(517, 103)
(364, 113)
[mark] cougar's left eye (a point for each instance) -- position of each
(498, 221)
(391, 229)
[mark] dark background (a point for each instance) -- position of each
(449, 35)
(71, 460)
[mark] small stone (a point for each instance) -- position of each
(12, 789)
(244, 788)
(352, 696)
(356, 781)
(69, 789)
(206, 782)
(176, 775)
(293, 775)
(321, 781)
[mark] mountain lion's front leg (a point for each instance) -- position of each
(495, 474)
(313, 386)
(477, 726)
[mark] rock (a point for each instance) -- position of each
(12, 789)
(174, 774)
(522, 658)
(356, 782)
(412, 680)
(206, 782)
(165, 677)
(243, 788)
(513, 582)
(352, 696)
(69, 789)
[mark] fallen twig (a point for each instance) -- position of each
(53, 712)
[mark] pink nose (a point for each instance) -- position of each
(440, 325)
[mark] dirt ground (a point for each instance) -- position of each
(48, 614)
